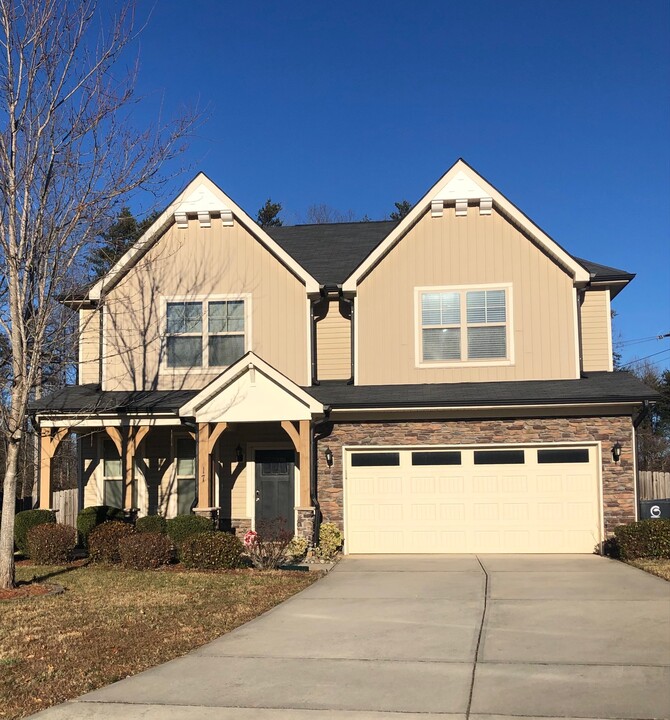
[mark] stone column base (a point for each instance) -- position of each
(306, 517)
(237, 526)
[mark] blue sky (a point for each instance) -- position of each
(564, 106)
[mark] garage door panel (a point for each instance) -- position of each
(534, 507)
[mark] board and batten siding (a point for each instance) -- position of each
(596, 326)
(202, 262)
(333, 345)
(455, 251)
(89, 346)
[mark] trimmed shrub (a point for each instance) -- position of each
(51, 544)
(643, 539)
(298, 547)
(103, 542)
(145, 550)
(25, 521)
(152, 524)
(212, 550)
(330, 541)
(90, 517)
(185, 526)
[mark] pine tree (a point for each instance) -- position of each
(116, 240)
(402, 208)
(268, 214)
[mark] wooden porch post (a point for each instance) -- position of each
(204, 467)
(305, 464)
(127, 441)
(301, 442)
(49, 443)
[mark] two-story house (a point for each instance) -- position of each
(439, 384)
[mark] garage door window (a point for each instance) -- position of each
(375, 459)
(436, 458)
(571, 455)
(499, 457)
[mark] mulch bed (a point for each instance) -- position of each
(29, 590)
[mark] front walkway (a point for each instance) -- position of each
(417, 637)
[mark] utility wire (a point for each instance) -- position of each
(637, 360)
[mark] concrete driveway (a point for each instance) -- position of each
(417, 637)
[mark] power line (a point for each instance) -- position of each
(646, 357)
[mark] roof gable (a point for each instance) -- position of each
(204, 199)
(461, 182)
(251, 390)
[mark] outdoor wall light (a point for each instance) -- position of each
(239, 454)
(329, 456)
(616, 451)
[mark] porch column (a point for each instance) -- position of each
(49, 442)
(301, 442)
(208, 434)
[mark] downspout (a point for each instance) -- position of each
(646, 406)
(101, 343)
(352, 333)
(312, 319)
(580, 302)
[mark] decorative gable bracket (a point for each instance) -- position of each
(461, 206)
(204, 218)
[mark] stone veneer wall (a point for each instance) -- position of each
(618, 478)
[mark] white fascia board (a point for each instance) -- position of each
(461, 182)
(244, 365)
(201, 196)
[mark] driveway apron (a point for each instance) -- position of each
(412, 637)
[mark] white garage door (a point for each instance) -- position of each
(510, 499)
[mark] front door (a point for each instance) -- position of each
(275, 495)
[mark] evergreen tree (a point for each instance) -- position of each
(402, 208)
(268, 214)
(117, 239)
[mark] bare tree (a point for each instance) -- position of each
(69, 159)
(322, 214)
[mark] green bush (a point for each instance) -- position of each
(330, 541)
(643, 539)
(212, 550)
(298, 547)
(93, 516)
(51, 544)
(103, 542)
(185, 526)
(145, 550)
(26, 520)
(152, 524)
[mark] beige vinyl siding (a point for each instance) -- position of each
(333, 345)
(202, 262)
(596, 330)
(89, 346)
(459, 251)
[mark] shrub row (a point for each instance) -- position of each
(642, 539)
(25, 521)
(51, 544)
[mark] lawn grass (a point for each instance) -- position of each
(112, 623)
(653, 566)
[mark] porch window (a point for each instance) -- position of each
(206, 333)
(186, 485)
(461, 325)
(112, 471)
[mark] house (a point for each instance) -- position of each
(441, 384)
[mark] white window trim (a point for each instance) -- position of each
(418, 329)
(205, 368)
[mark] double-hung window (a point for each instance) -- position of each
(207, 333)
(463, 325)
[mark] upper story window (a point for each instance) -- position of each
(460, 325)
(207, 333)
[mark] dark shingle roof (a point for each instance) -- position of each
(595, 388)
(604, 272)
(331, 252)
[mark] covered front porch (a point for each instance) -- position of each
(239, 451)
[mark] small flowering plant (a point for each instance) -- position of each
(267, 547)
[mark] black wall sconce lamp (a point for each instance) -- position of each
(328, 453)
(616, 451)
(239, 454)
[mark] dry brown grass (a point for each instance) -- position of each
(111, 623)
(655, 567)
